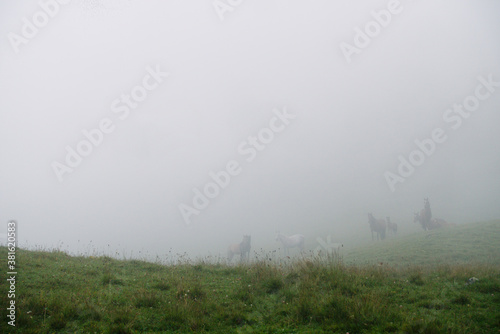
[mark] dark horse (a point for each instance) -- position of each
(424, 216)
(426, 220)
(243, 248)
(378, 226)
(427, 210)
(393, 227)
(419, 218)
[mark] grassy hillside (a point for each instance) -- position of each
(475, 242)
(57, 293)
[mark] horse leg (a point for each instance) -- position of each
(243, 256)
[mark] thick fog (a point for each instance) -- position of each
(135, 128)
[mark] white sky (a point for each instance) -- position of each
(320, 176)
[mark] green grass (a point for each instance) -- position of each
(57, 293)
(475, 242)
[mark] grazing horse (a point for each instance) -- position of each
(433, 223)
(378, 226)
(393, 227)
(296, 240)
(243, 248)
(438, 223)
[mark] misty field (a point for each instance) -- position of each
(411, 284)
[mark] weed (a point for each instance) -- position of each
(272, 285)
(59, 293)
(110, 279)
(416, 279)
(163, 286)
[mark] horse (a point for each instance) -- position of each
(243, 248)
(425, 215)
(393, 227)
(296, 240)
(427, 210)
(438, 223)
(433, 223)
(378, 226)
(419, 218)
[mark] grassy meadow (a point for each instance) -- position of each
(407, 284)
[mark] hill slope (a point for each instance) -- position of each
(57, 293)
(475, 242)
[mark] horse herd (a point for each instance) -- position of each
(378, 227)
(424, 217)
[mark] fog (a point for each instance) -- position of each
(307, 113)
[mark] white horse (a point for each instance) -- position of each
(296, 240)
(243, 248)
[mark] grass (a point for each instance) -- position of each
(57, 293)
(475, 242)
